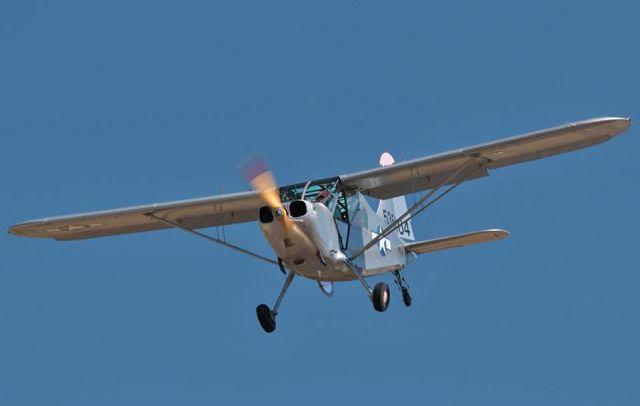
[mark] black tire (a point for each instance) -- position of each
(266, 318)
(406, 297)
(381, 296)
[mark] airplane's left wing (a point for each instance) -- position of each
(431, 171)
(193, 213)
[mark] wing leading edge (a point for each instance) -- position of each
(428, 172)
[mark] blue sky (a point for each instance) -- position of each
(110, 104)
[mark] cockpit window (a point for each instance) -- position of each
(321, 191)
(341, 211)
(325, 191)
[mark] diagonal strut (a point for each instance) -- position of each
(210, 238)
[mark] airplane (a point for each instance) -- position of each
(326, 229)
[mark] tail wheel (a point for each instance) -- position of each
(266, 318)
(406, 297)
(380, 296)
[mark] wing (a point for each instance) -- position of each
(456, 241)
(425, 173)
(193, 213)
(382, 183)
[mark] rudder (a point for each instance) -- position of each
(391, 209)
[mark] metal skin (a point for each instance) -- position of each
(311, 248)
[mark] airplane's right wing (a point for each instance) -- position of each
(193, 213)
(455, 241)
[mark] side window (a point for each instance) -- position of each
(345, 207)
(353, 204)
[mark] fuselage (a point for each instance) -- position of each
(310, 243)
(311, 246)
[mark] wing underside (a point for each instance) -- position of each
(429, 172)
(192, 214)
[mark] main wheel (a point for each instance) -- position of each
(406, 297)
(380, 296)
(266, 318)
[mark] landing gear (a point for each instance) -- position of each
(380, 296)
(404, 287)
(406, 297)
(266, 316)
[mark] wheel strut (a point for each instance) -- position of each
(267, 316)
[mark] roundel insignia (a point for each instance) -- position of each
(384, 245)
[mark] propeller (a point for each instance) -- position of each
(257, 173)
(261, 179)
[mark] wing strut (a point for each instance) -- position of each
(210, 238)
(418, 206)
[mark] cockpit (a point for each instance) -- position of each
(325, 191)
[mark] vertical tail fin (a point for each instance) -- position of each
(391, 209)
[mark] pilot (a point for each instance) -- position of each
(322, 197)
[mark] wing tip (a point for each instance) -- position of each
(497, 233)
(622, 124)
(22, 230)
(500, 233)
(618, 124)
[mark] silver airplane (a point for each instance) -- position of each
(325, 229)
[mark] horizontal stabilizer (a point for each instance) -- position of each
(454, 241)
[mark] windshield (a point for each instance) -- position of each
(320, 191)
(324, 191)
